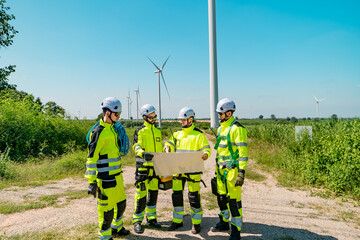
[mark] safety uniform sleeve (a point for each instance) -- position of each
(170, 143)
(240, 137)
(204, 144)
(138, 143)
(94, 148)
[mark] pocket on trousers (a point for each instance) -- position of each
(108, 183)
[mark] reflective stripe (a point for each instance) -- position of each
(196, 216)
(108, 169)
(138, 215)
(109, 160)
(171, 143)
(140, 160)
(179, 209)
(102, 231)
(151, 214)
(93, 165)
(88, 172)
(104, 237)
(243, 159)
(116, 227)
(182, 150)
(224, 157)
(224, 164)
(118, 220)
(102, 204)
(237, 221)
(223, 145)
(225, 214)
(240, 144)
(196, 210)
(207, 146)
(178, 216)
(151, 207)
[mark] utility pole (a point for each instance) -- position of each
(213, 65)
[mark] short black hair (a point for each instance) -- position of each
(105, 110)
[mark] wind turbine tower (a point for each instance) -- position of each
(137, 92)
(159, 72)
(317, 105)
(129, 105)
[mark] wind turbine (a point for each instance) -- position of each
(137, 92)
(317, 105)
(129, 104)
(159, 72)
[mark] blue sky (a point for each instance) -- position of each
(273, 56)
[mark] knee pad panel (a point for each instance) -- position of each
(177, 198)
(121, 208)
(153, 195)
(140, 205)
(222, 201)
(108, 217)
(234, 208)
(194, 199)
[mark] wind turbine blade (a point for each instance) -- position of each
(165, 63)
(316, 99)
(165, 84)
(154, 64)
(321, 99)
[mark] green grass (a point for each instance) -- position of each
(82, 232)
(210, 201)
(41, 202)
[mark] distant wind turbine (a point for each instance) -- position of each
(159, 72)
(317, 105)
(129, 104)
(137, 92)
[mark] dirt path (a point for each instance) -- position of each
(270, 212)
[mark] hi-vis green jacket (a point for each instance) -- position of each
(147, 138)
(189, 139)
(103, 160)
(238, 142)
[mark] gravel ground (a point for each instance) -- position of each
(270, 212)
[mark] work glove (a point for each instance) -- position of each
(92, 188)
(147, 156)
(240, 178)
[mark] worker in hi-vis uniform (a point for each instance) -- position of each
(188, 139)
(231, 161)
(104, 174)
(147, 139)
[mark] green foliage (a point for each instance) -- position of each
(28, 132)
(52, 109)
(6, 171)
(7, 34)
(331, 158)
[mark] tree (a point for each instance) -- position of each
(261, 116)
(7, 33)
(273, 117)
(334, 117)
(52, 109)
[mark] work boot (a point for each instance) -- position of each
(153, 223)
(196, 229)
(138, 227)
(235, 233)
(174, 226)
(122, 232)
(220, 226)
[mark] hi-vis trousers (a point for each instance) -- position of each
(229, 197)
(111, 205)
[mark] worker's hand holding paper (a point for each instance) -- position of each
(176, 163)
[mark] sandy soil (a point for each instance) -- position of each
(270, 212)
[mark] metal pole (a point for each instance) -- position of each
(213, 65)
(159, 100)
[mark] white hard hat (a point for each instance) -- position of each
(113, 104)
(225, 105)
(186, 113)
(147, 109)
